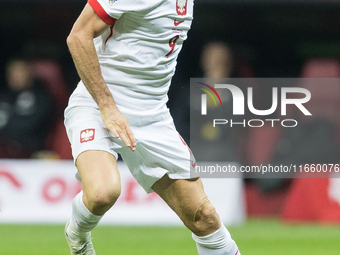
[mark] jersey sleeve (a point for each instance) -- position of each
(111, 10)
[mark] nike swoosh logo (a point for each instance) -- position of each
(193, 164)
(176, 23)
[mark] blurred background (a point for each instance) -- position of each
(229, 38)
(262, 39)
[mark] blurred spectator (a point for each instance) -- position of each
(217, 61)
(26, 111)
(220, 143)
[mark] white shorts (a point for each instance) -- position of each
(160, 149)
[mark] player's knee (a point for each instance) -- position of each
(205, 219)
(104, 197)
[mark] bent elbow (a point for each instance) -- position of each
(77, 39)
(70, 40)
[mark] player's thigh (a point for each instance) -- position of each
(186, 197)
(99, 175)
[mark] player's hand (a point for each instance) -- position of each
(117, 123)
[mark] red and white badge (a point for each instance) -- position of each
(87, 135)
(181, 7)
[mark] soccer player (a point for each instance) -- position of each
(125, 52)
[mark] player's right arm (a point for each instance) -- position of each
(80, 42)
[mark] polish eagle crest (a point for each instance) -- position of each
(181, 7)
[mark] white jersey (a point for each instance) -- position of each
(138, 53)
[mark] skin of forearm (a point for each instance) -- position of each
(80, 43)
(86, 62)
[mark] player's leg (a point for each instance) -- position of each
(100, 180)
(188, 199)
(101, 188)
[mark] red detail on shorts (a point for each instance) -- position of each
(236, 252)
(101, 12)
(87, 135)
(185, 144)
(180, 137)
(193, 164)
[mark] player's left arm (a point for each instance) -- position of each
(80, 42)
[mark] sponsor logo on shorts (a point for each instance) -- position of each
(87, 135)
